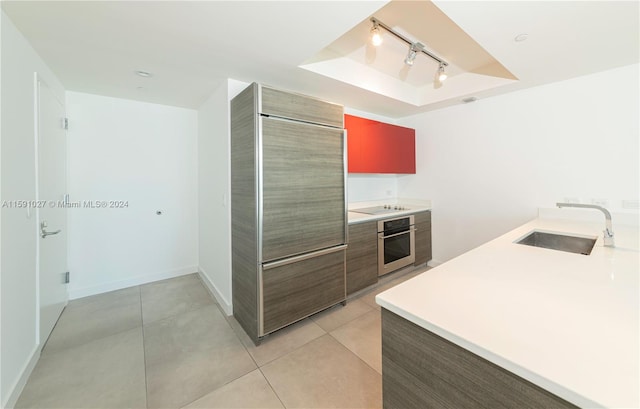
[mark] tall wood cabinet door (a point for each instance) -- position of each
(303, 188)
(301, 107)
(362, 256)
(423, 237)
(296, 290)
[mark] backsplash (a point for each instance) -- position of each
(370, 187)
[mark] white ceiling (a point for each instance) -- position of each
(382, 69)
(190, 47)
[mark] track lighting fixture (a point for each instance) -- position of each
(442, 75)
(410, 57)
(413, 51)
(376, 35)
(415, 48)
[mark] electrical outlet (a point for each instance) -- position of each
(631, 204)
(571, 200)
(388, 193)
(600, 202)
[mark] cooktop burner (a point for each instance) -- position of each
(380, 209)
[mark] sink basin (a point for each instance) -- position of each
(561, 242)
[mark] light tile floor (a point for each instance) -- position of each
(168, 345)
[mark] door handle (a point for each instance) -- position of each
(44, 233)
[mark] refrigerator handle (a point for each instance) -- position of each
(302, 257)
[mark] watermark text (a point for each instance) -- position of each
(63, 204)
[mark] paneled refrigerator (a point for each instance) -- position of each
(288, 207)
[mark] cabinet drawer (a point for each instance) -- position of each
(294, 291)
(289, 105)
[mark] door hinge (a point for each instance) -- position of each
(65, 123)
(66, 277)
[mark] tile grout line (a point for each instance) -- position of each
(216, 389)
(272, 388)
(176, 315)
(340, 345)
(278, 357)
(325, 334)
(357, 356)
(164, 319)
(65, 349)
(224, 316)
(296, 348)
(44, 352)
(351, 320)
(242, 343)
(243, 346)
(372, 309)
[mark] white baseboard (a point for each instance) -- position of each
(20, 383)
(130, 282)
(227, 307)
(434, 263)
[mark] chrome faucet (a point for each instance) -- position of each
(608, 231)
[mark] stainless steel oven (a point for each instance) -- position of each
(396, 244)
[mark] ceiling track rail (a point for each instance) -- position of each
(379, 23)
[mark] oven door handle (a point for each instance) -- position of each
(397, 234)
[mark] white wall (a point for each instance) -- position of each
(488, 165)
(19, 344)
(365, 187)
(142, 153)
(214, 174)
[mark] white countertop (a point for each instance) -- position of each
(355, 217)
(414, 206)
(566, 322)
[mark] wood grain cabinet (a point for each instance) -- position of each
(423, 370)
(423, 237)
(362, 253)
(288, 210)
(302, 288)
(362, 256)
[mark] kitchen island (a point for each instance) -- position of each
(561, 322)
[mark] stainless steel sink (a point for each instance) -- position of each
(561, 242)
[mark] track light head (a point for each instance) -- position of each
(410, 57)
(413, 52)
(442, 75)
(376, 35)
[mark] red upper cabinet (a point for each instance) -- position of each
(378, 147)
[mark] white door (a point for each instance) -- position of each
(52, 217)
